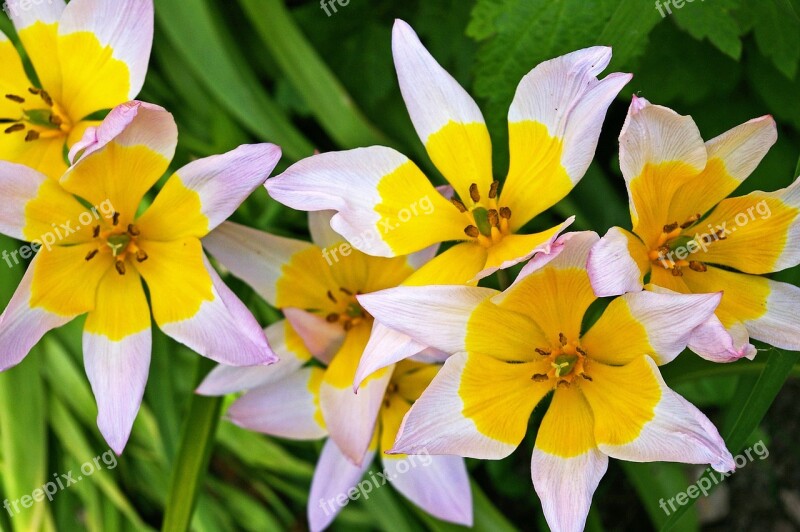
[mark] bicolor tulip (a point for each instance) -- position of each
(89, 56)
(301, 400)
(690, 237)
(97, 263)
(511, 350)
(387, 207)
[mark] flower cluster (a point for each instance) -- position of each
(395, 348)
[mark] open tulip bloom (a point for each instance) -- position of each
(89, 56)
(294, 399)
(554, 125)
(92, 261)
(689, 237)
(512, 349)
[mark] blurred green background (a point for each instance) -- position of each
(241, 71)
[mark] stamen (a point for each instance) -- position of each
(115, 219)
(691, 220)
(141, 256)
(96, 231)
(46, 97)
(348, 325)
(670, 227)
(473, 193)
(721, 235)
(677, 272)
(133, 230)
(31, 136)
(493, 189)
(330, 296)
(472, 231)
(494, 218)
(460, 206)
(505, 212)
(585, 376)
(332, 318)
(562, 339)
(539, 377)
(92, 254)
(15, 127)
(346, 291)
(15, 98)
(565, 384)
(542, 352)
(56, 120)
(697, 266)
(34, 90)
(580, 351)
(120, 266)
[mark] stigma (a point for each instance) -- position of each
(567, 361)
(118, 241)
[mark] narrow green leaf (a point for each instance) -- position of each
(655, 481)
(191, 463)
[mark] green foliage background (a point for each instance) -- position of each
(239, 71)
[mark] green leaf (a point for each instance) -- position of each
(777, 31)
(713, 21)
(194, 453)
(655, 481)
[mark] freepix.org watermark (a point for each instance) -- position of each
(705, 483)
(662, 5)
(330, 5)
(59, 233)
(421, 207)
(60, 482)
(374, 481)
(700, 242)
(15, 7)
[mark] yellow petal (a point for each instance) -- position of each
(458, 265)
(392, 414)
(45, 154)
(121, 309)
(567, 429)
(744, 296)
(56, 217)
(40, 40)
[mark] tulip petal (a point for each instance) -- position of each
(321, 338)
(385, 347)
(617, 264)
(385, 205)
(37, 27)
(461, 264)
(554, 125)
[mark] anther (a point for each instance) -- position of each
(348, 325)
(697, 266)
(92, 254)
(670, 227)
(677, 272)
(330, 296)
(96, 231)
(34, 90)
(460, 206)
(585, 376)
(31, 135)
(471, 231)
(493, 189)
(346, 291)
(473, 193)
(15, 127)
(562, 339)
(690, 221)
(120, 266)
(46, 97)
(494, 218)
(542, 352)
(539, 377)
(15, 98)
(721, 235)
(332, 317)
(133, 230)
(581, 351)
(115, 219)
(565, 384)
(505, 212)
(56, 120)
(141, 256)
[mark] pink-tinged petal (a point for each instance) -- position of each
(514, 249)
(322, 234)
(334, 478)
(287, 408)
(566, 485)
(253, 256)
(554, 125)
(351, 418)
(18, 186)
(117, 371)
(21, 326)
(431, 356)
(676, 432)
(24, 13)
(658, 324)
(322, 339)
(436, 424)
(385, 347)
(437, 484)
(223, 329)
(779, 326)
(292, 355)
(713, 342)
(612, 268)
(436, 316)
(370, 189)
(214, 187)
(130, 124)
(103, 49)
(568, 251)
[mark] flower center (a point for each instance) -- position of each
(673, 249)
(119, 242)
(567, 361)
(47, 121)
(350, 312)
(488, 224)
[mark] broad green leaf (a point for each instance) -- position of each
(777, 30)
(656, 481)
(713, 21)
